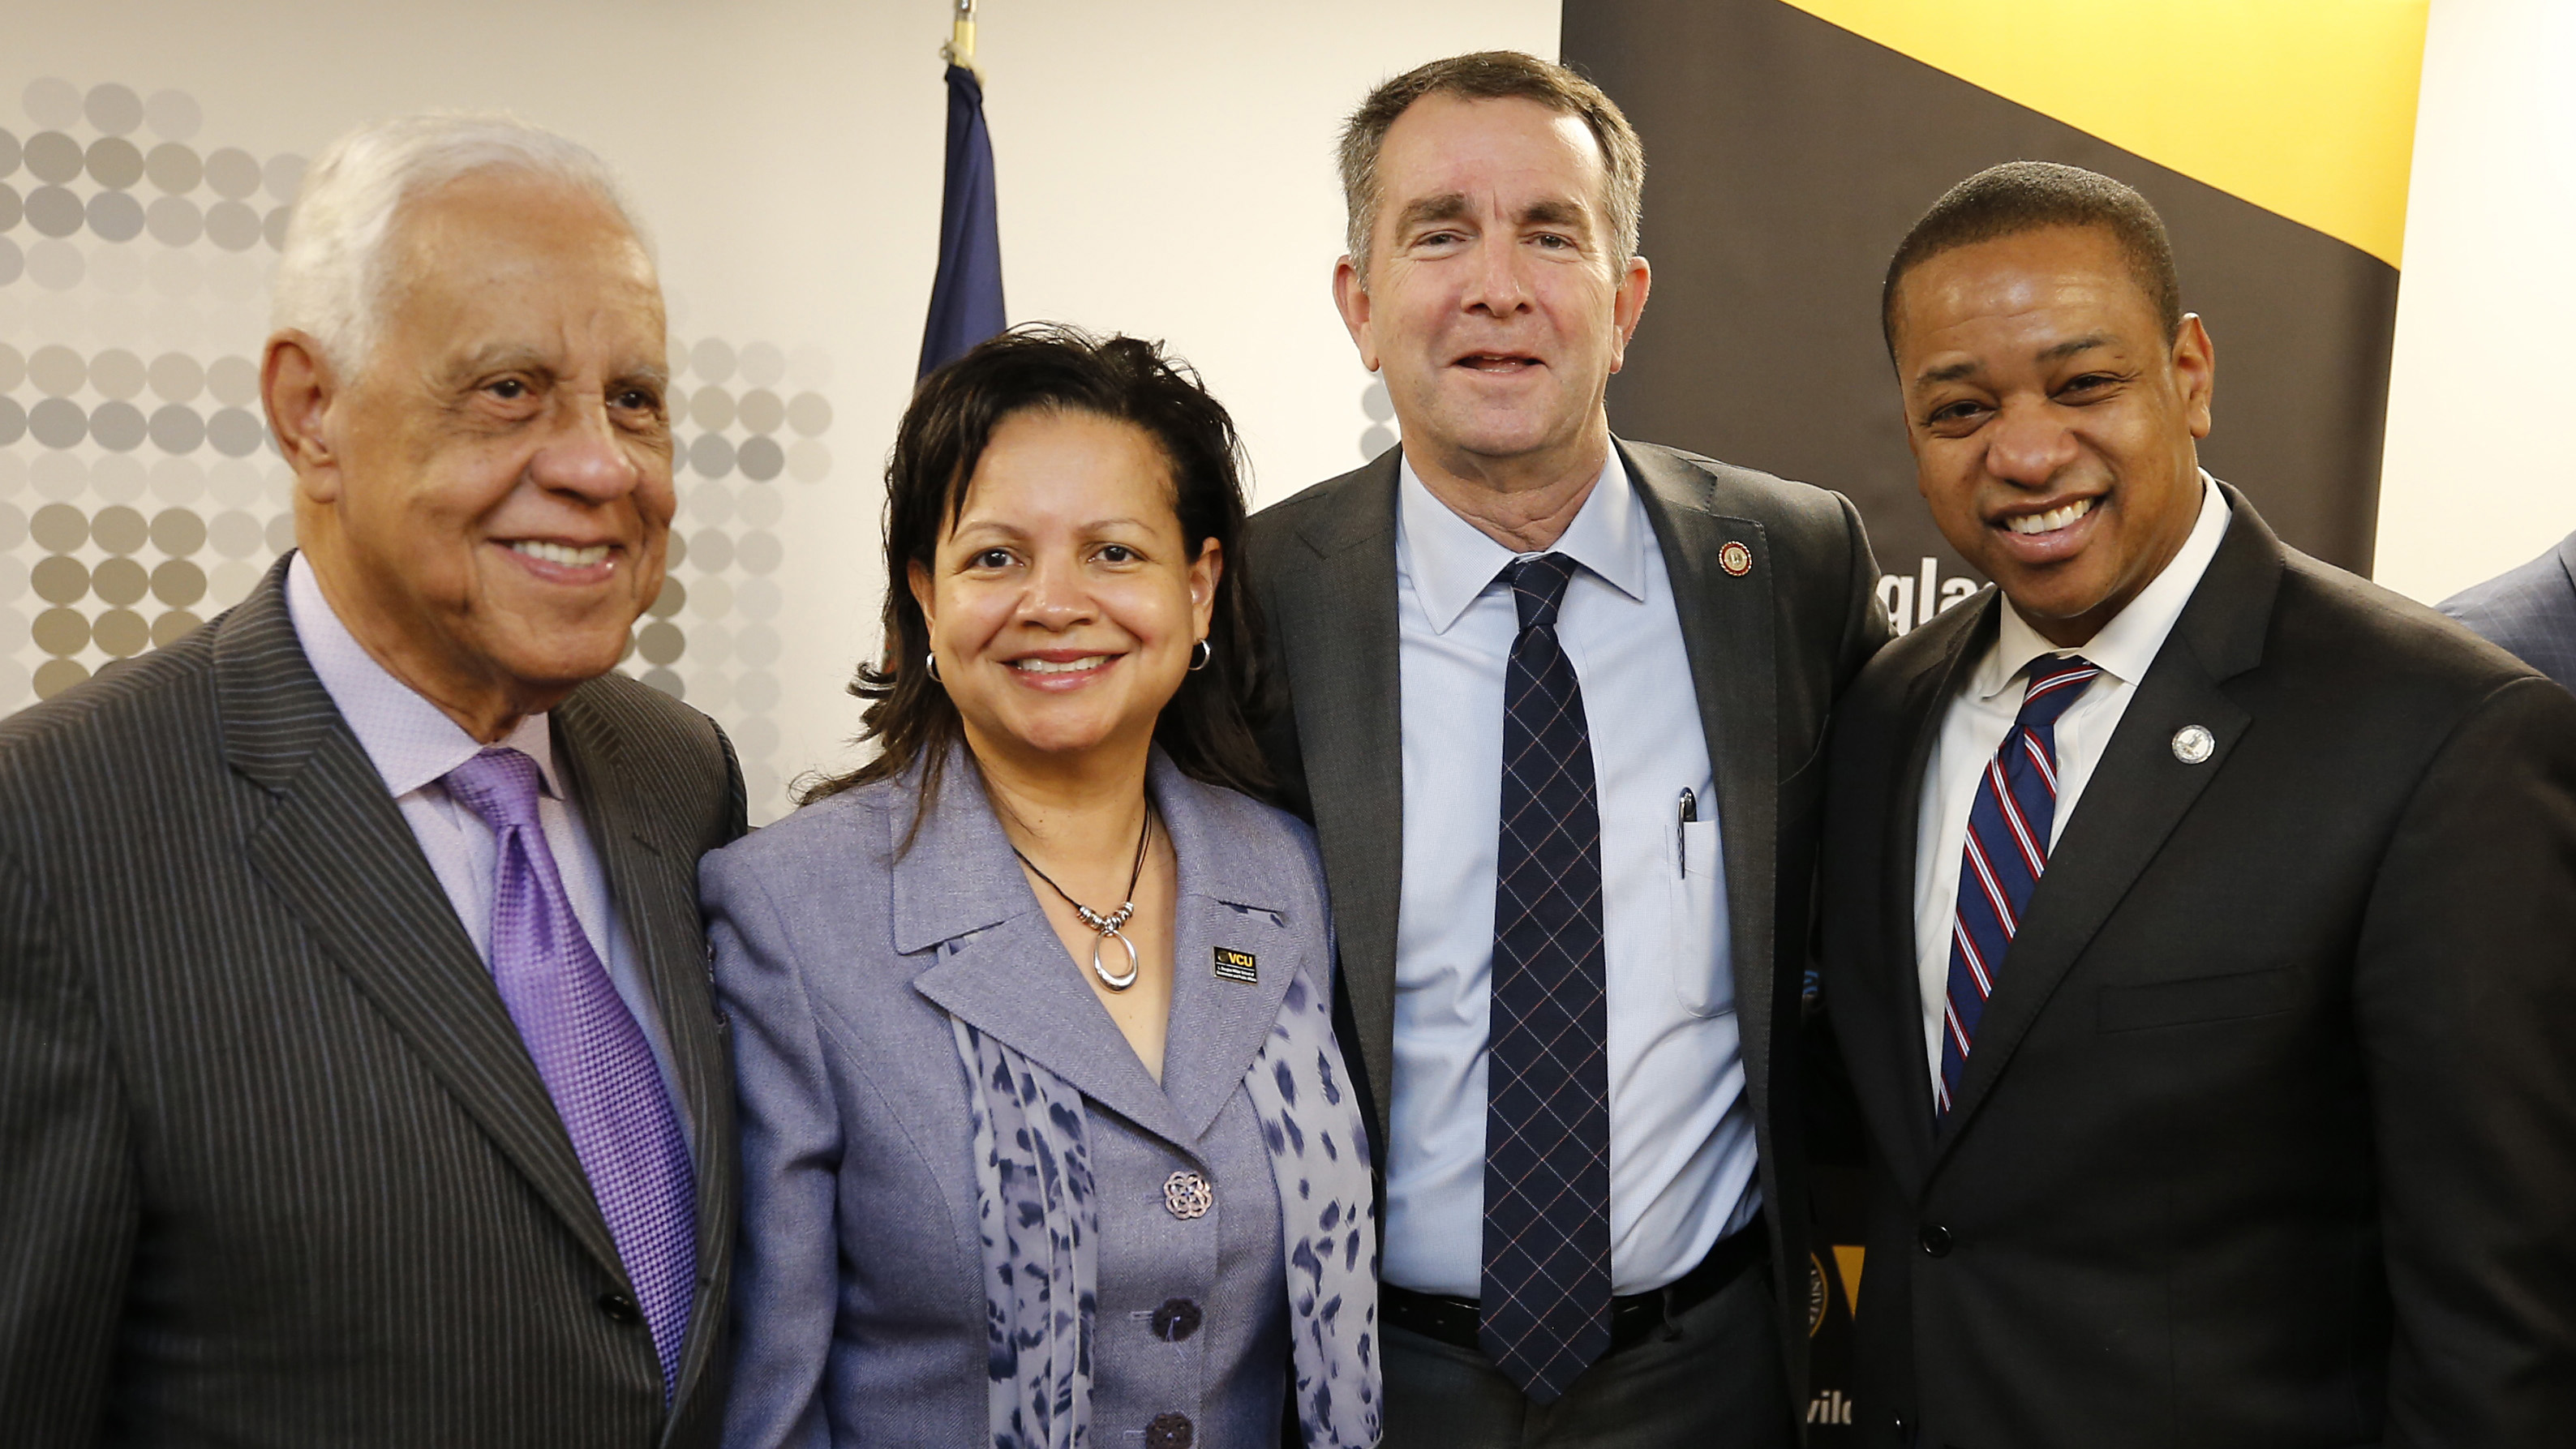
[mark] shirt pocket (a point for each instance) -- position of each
(1695, 874)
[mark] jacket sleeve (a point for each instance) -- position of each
(68, 1189)
(1835, 1134)
(2464, 996)
(787, 1264)
(1865, 623)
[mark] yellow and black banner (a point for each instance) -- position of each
(1790, 146)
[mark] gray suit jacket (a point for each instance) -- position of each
(1769, 653)
(279, 1170)
(842, 957)
(2530, 611)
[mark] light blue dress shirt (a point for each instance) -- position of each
(413, 745)
(1681, 1140)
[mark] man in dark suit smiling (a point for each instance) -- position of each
(2200, 921)
(359, 1083)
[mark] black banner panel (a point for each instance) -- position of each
(1787, 156)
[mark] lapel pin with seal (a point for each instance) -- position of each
(2194, 744)
(1735, 558)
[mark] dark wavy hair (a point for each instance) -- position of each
(1208, 726)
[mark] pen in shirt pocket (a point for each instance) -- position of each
(1689, 811)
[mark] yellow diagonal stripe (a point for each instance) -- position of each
(2302, 107)
(1847, 1259)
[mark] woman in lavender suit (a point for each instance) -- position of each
(1046, 1138)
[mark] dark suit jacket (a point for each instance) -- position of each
(278, 1169)
(2269, 1134)
(2530, 611)
(1769, 652)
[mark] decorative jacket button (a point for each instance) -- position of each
(1169, 1431)
(1177, 1319)
(620, 1308)
(1936, 1240)
(1188, 1195)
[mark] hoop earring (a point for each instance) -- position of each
(1200, 655)
(931, 661)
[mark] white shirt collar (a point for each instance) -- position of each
(2127, 645)
(1451, 560)
(410, 741)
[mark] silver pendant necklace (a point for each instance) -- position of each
(1106, 925)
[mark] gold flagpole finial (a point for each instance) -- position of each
(960, 49)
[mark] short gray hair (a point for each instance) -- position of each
(331, 274)
(1492, 75)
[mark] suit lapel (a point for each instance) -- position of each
(2138, 793)
(1971, 628)
(338, 852)
(1230, 896)
(652, 879)
(1345, 655)
(996, 963)
(1726, 625)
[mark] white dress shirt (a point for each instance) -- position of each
(413, 745)
(1681, 1141)
(1978, 719)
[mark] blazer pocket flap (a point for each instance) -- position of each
(2202, 998)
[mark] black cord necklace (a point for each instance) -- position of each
(1106, 925)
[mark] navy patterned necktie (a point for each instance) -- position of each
(2006, 852)
(1545, 1310)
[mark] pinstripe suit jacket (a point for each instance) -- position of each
(275, 1168)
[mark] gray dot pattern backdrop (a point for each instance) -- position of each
(140, 493)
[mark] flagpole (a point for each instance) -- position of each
(960, 49)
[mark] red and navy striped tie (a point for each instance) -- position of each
(2007, 850)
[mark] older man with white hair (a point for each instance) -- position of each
(359, 1083)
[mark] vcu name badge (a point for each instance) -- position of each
(1237, 966)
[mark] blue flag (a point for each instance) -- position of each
(966, 300)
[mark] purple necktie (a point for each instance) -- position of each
(2009, 823)
(588, 1049)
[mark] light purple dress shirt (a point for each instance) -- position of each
(413, 745)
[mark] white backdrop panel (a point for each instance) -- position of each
(1165, 169)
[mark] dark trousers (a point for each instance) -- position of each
(1715, 1384)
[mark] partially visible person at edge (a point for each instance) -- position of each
(2200, 920)
(1557, 699)
(2529, 611)
(1046, 1134)
(358, 1078)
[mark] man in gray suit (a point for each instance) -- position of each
(2530, 611)
(359, 1083)
(1556, 699)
